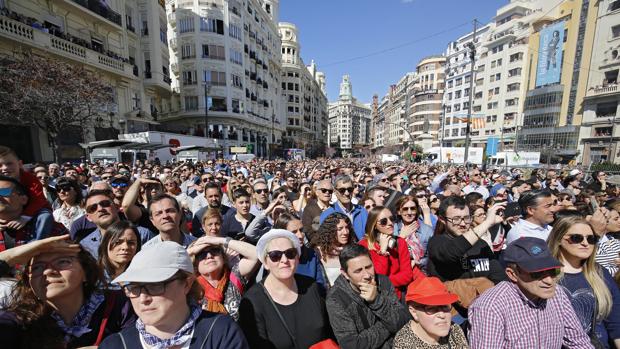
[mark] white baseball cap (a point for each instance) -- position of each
(156, 263)
(574, 172)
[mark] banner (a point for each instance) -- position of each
(550, 48)
(492, 145)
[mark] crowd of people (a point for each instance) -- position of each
(326, 253)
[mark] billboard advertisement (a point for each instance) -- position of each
(550, 54)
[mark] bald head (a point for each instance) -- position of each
(100, 185)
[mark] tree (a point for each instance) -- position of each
(50, 94)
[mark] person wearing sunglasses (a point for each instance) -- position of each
(591, 289)
(223, 276)
(103, 212)
(70, 200)
(430, 305)
(413, 223)
(59, 301)
(389, 253)
(260, 197)
(162, 288)
(344, 195)
(48, 191)
(285, 309)
(476, 184)
(320, 202)
(529, 310)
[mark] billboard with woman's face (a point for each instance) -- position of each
(550, 54)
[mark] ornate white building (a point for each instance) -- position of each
(349, 119)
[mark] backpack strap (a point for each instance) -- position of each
(106, 315)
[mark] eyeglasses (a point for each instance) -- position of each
(409, 208)
(6, 192)
(58, 264)
(152, 289)
(42, 178)
(207, 179)
(482, 214)
(369, 207)
(384, 221)
(105, 178)
(90, 209)
(261, 191)
(276, 255)
(434, 200)
(459, 220)
(422, 178)
(476, 175)
(578, 238)
(383, 180)
(326, 191)
(213, 251)
(420, 196)
(539, 275)
(434, 309)
(119, 184)
(345, 190)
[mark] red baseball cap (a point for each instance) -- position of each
(429, 291)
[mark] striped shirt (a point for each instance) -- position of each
(607, 251)
(503, 317)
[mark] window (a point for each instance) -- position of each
(236, 57)
(514, 72)
(212, 25)
(611, 77)
(459, 82)
(235, 32)
(188, 51)
(615, 31)
(191, 102)
(606, 109)
(514, 87)
(516, 57)
(190, 77)
(214, 78)
(457, 94)
(213, 52)
(450, 83)
(615, 5)
(186, 25)
(498, 48)
(236, 81)
(217, 104)
(236, 106)
(450, 96)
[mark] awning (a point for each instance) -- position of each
(123, 145)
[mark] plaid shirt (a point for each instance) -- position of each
(503, 317)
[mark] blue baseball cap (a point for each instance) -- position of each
(530, 254)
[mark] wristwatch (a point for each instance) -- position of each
(226, 242)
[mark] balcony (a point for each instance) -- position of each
(601, 91)
(172, 19)
(77, 50)
(100, 9)
(173, 44)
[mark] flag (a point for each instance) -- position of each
(478, 122)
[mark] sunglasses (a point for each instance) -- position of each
(214, 251)
(345, 190)
(207, 179)
(369, 207)
(409, 208)
(6, 192)
(434, 309)
(90, 209)
(434, 199)
(261, 191)
(65, 188)
(539, 275)
(152, 289)
(326, 191)
(275, 255)
(578, 238)
(422, 178)
(384, 221)
(105, 178)
(119, 184)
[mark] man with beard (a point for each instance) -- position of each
(213, 193)
(103, 212)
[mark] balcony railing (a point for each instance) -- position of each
(77, 50)
(602, 90)
(101, 9)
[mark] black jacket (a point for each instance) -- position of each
(360, 325)
(211, 330)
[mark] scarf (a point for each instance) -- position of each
(181, 336)
(81, 321)
(215, 295)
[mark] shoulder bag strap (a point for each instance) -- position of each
(209, 332)
(122, 340)
(594, 313)
(106, 314)
(290, 333)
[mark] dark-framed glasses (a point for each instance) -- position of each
(276, 255)
(152, 289)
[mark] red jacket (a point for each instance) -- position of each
(36, 198)
(396, 265)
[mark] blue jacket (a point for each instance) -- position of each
(310, 266)
(211, 330)
(359, 214)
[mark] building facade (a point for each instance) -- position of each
(600, 127)
(560, 49)
(226, 70)
(425, 107)
(349, 120)
(124, 43)
(304, 97)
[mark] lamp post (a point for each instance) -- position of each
(404, 128)
(207, 87)
(472, 57)
(611, 156)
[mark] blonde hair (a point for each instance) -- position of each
(591, 271)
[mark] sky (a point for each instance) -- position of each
(377, 41)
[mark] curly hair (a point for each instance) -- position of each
(327, 236)
(34, 315)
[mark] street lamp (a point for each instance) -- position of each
(611, 140)
(404, 128)
(207, 87)
(472, 57)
